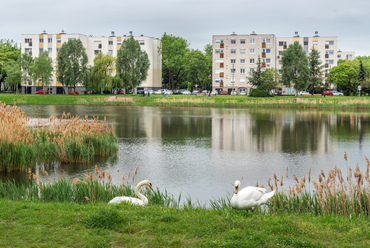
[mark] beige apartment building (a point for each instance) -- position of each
(236, 56)
(34, 44)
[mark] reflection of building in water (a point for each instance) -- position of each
(267, 131)
(152, 123)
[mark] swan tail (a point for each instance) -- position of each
(267, 196)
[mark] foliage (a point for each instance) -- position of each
(8, 52)
(26, 64)
(72, 64)
(295, 67)
(197, 68)
(344, 76)
(173, 50)
(269, 79)
(316, 74)
(42, 70)
(132, 63)
(105, 218)
(14, 75)
(101, 73)
(255, 78)
(257, 92)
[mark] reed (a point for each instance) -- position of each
(69, 139)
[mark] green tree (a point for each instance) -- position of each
(197, 65)
(72, 64)
(316, 74)
(132, 63)
(26, 63)
(270, 79)
(344, 76)
(101, 73)
(14, 75)
(42, 70)
(361, 73)
(295, 67)
(173, 50)
(8, 52)
(255, 75)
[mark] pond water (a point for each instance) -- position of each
(200, 152)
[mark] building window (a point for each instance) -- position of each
(28, 50)
(217, 51)
(266, 50)
(314, 43)
(242, 61)
(348, 56)
(141, 43)
(110, 43)
(329, 42)
(119, 43)
(59, 40)
(252, 41)
(330, 52)
(233, 41)
(329, 62)
(232, 70)
(233, 51)
(97, 51)
(58, 50)
(50, 50)
(232, 61)
(27, 40)
(219, 41)
(251, 70)
(251, 61)
(280, 63)
(110, 52)
(242, 70)
(50, 40)
(41, 50)
(71, 38)
(280, 72)
(232, 81)
(339, 56)
(251, 51)
(280, 53)
(242, 80)
(217, 80)
(41, 40)
(282, 43)
(267, 41)
(242, 41)
(242, 51)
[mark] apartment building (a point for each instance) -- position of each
(34, 44)
(236, 56)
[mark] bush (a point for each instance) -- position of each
(104, 219)
(259, 93)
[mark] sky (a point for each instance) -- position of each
(194, 20)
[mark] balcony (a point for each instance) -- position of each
(221, 74)
(263, 55)
(285, 47)
(221, 65)
(221, 55)
(263, 44)
(326, 65)
(326, 46)
(326, 56)
(29, 43)
(222, 45)
(263, 64)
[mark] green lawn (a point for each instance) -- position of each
(34, 224)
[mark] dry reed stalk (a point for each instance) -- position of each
(123, 176)
(85, 183)
(286, 173)
(76, 181)
(136, 170)
(281, 181)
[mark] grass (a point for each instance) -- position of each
(316, 102)
(66, 139)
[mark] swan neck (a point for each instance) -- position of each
(141, 196)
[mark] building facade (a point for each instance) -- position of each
(236, 56)
(34, 44)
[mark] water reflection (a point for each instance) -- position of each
(200, 151)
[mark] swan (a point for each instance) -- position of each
(140, 202)
(249, 197)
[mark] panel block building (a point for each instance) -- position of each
(34, 44)
(236, 56)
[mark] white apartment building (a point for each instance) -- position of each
(236, 56)
(34, 44)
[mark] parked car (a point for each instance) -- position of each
(72, 92)
(214, 92)
(177, 92)
(278, 93)
(195, 92)
(120, 91)
(186, 92)
(205, 92)
(168, 92)
(337, 93)
(223, 93)
(243, 93)
(327, 92)
(158, 92)
(301, 93)
(42, 91)
(151, 92)
(233, 92)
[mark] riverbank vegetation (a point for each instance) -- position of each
(66, 139)
(334, 213)
(307, 102)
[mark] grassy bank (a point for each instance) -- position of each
(330, 102)
(26, 224)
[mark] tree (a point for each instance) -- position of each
(361, 73)
(72, 64)
(8, 52)
(26, 63)
(316, 79)
(270, 79)
(344, 76)
(101, 73)
(255, 78)
(197, 65)
(295, 67)
(42, 70)
(132, 63)
(14, 75)
(173, 50)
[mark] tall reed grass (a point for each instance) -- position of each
(67, 139)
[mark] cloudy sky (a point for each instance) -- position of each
(194, 20)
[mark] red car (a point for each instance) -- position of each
(223, 93)
(328, 93)
(43, 91)
(73, 92)
(120, 92)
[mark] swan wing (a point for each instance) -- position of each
(247, 198)
(132, 200)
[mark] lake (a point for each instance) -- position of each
(200, 152)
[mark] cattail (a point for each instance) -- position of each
(281, 181)
(76, 181)
(136, 170)
(295, 178)
(286, 173)
(309, 176)
(87, 198)
(256, 185)
(345, 155)
(123, 176)
(84, 183)
(96, 170)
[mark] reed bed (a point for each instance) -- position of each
(331, 194)
(69, 139)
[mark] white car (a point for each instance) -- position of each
(336, 93)
(186, 92)
(214, 92)
(301, 93)
(158, 92)
(233, 92)
(243, 93)
(168, 92)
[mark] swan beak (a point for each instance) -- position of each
(236, 189)
(150, 185)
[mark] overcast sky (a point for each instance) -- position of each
(194, 20)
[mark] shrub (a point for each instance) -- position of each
(258, 93)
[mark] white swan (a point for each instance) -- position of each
(140, 202)
(249, 197)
